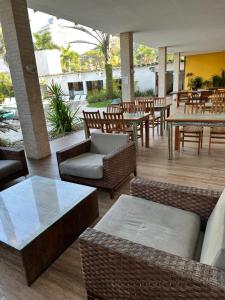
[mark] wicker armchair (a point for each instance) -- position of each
(117, 166)
(115, 268)
(21, 169)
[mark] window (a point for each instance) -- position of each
(75, 88)
(94, 85)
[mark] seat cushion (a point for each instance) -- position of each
(105, 143)
(213, 249)
(152, 224)
(87, 165)
(9, 167)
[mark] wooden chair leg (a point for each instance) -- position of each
(209, 144)
(142, 135)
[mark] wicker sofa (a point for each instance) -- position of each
(118, 268)
(104, 161)
(13, 164)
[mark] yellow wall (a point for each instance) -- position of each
(205, 65)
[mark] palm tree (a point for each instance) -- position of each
(44, 41)
(102, 42)
(70, 60)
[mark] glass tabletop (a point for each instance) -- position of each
(28, 208)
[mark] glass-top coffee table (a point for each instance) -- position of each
(40, 217)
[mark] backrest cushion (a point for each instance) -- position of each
(213, 249)
(105, 143)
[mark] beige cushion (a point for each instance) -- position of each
(105, 143)
(9, 167)
(87, 165)
(213, 249)
(152, 224)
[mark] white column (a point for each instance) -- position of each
(127, 66)
(176, 73)
(20, 56)
(162, 71)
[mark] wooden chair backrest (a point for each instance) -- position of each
(128, 107)
(195, 98)
(114, 122)
(183, 96)
(218, 104)
(114, 108)
(93, 120)
(148, 106)
(160, 101)
(194, 108)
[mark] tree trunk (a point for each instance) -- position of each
(109, 81)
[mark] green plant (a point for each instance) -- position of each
(61, 117)
(146, 93)
(219, 81)
(44, 41)
(196, 83)
(101, 95)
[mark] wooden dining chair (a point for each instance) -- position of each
(192, 134)
(154, 121)
(115, 123)
(93, 120)
(114, 108)
(182, 97)
(159, 100)
(217, 134)
(128, 107)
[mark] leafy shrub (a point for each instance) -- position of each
(146, 93)
(219, 81)
(196, 83)
(60, 116)
(98, 96)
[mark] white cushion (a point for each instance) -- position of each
(213, 249)
(87, 165)
(105, 143)
(152, 224)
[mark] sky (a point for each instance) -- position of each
(38, 20)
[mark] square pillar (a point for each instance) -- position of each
(176, 73)
(127, 66)
(162, 71)
(20, 56)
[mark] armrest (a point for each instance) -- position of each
(192, 199)
(14, 154)
(73, 150)
(120, 163)
(114, 268)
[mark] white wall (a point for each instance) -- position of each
(144, 78)
(48, 62)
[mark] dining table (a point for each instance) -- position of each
(178, 119)
(132, 120)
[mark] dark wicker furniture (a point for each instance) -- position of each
(119, 269)
(117, 166)
(13, 154)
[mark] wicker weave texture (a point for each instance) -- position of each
(199, 201)
(118, 269)
(121, 270)
(117, 166)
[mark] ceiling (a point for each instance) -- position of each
(187, 26)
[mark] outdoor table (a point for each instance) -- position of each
(133, 119)
(162, 108)
(203, 120)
